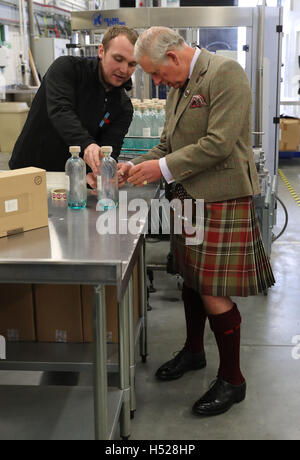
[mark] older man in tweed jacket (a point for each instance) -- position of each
(205, 151)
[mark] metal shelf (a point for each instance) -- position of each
(69, 412)
(69, 357)
(66, 357)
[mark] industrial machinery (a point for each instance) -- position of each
(251, 35)
(47, 49)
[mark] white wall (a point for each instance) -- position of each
(291, 49)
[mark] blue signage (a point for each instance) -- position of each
(98, 21)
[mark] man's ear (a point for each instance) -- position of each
(173, 56)
(100, 51)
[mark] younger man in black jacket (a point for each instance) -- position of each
(81, 102)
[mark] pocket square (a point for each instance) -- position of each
(198, 101)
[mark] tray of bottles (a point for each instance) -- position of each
(139, 144)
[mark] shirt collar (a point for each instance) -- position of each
(194, 60)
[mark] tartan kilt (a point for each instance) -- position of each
(232, 260)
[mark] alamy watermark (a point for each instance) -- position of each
(296, 349)
(2, 347)
(132, 218)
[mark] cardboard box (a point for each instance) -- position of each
(17, 312)
(23, 200)
(111, 310)
(64, 313)
(58, 313)
(289, 138)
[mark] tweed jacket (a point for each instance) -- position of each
(207, 139)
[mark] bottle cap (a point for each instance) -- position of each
(106, 150)
(74, 149)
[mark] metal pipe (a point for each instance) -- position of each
(31, 28)
(100, 365)
(259, 76)
(24, 44)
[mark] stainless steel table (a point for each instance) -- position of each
(71, 251)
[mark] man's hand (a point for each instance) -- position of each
(92, 156)
(123, 172)
(145, 173)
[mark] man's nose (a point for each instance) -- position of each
(124, 67)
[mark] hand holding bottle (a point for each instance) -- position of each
(92, 156)
(145, 173)
(123, 173)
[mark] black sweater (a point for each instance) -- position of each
(68, 109)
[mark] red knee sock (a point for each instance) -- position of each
(195, 316)
(226, 328)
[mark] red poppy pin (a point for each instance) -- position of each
(198, 101)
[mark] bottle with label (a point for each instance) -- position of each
(76, 180)
(107, 181)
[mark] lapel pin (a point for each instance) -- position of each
(186, 93)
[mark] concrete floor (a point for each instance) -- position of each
(270, 324)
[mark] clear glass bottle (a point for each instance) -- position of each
(76, 180)
(146, 116)
(107, 181)
(161, 119)
(154, 121)
(138, 128)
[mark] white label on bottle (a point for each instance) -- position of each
(146, 132)
(99, 182)
(11, 205)
(68, 183)
(160, 130)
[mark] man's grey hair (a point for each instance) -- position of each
(155, 42)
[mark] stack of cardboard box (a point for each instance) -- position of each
(58, 313)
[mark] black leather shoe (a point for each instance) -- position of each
(184, 361)
(219, 398)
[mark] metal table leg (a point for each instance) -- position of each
(131, 349)
(124, 365)
(143, 297)
(100, 365)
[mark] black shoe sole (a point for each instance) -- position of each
(178, 376)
